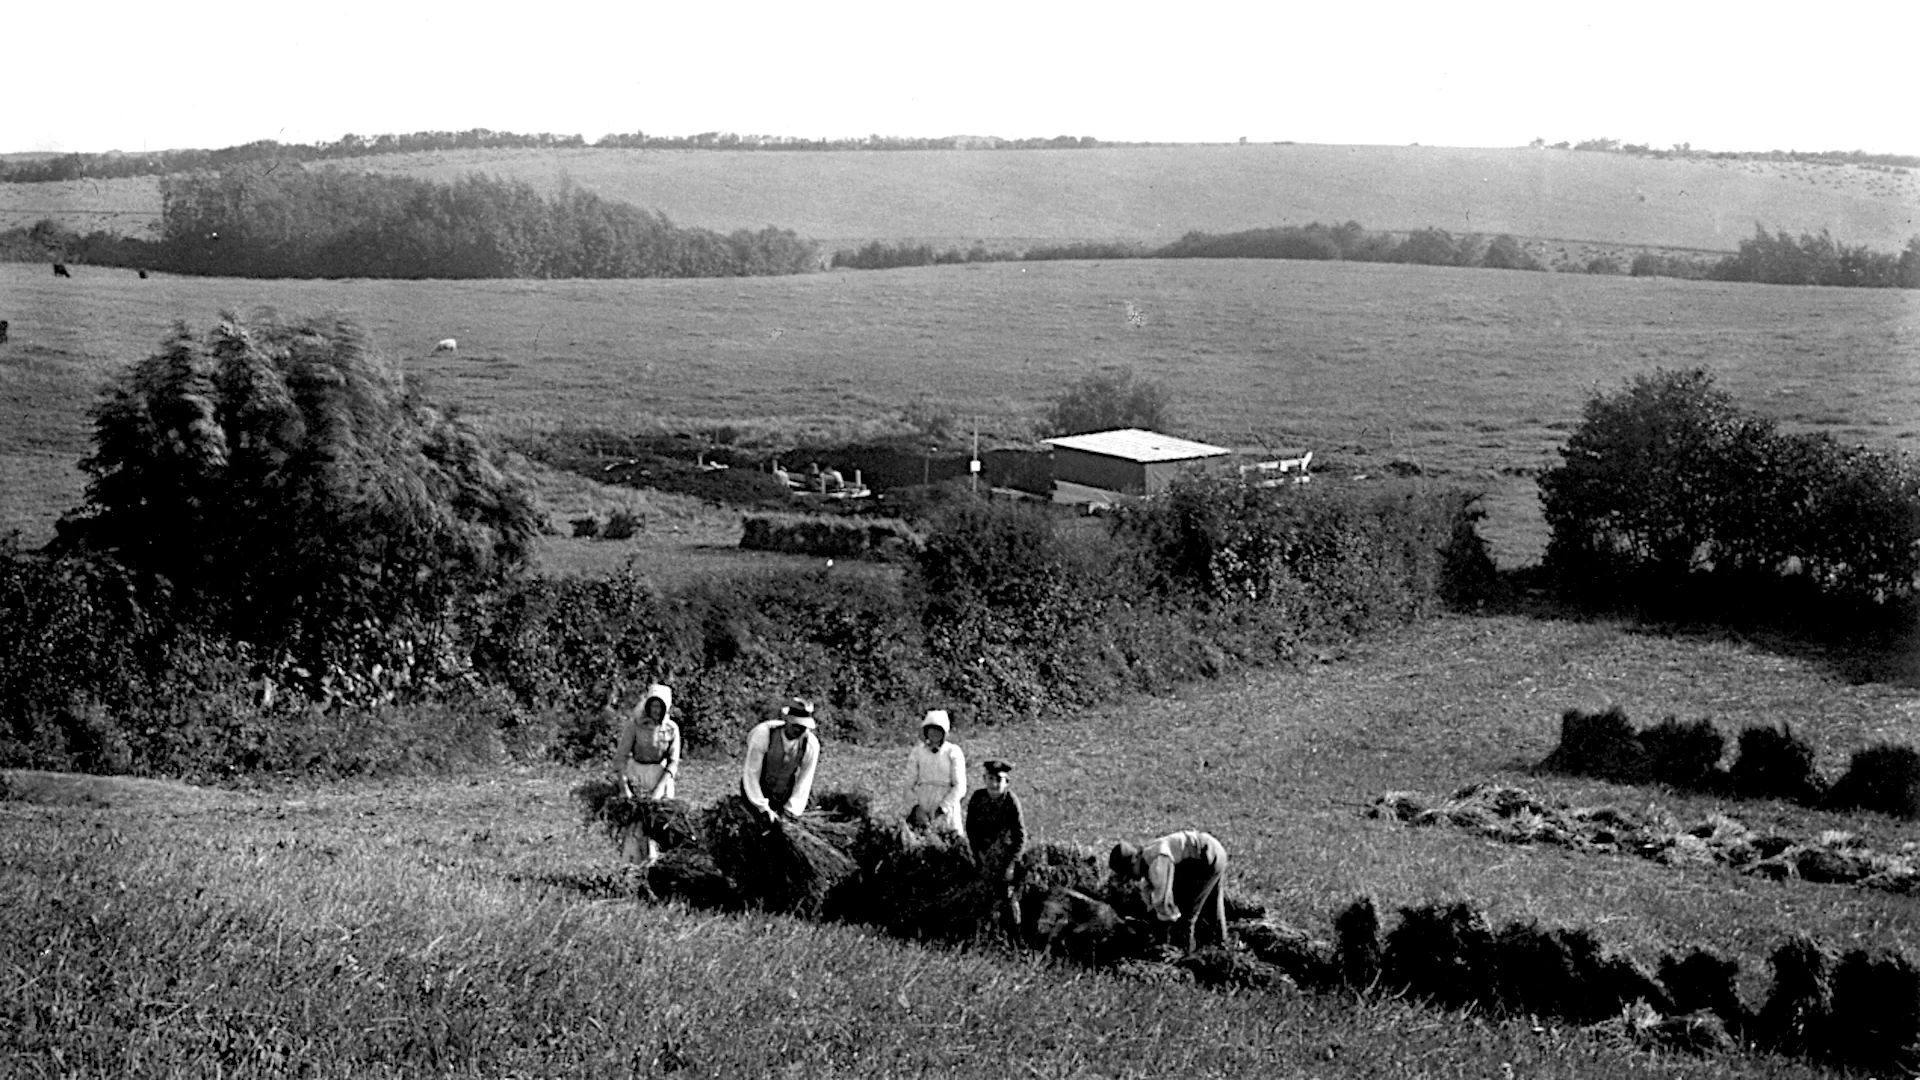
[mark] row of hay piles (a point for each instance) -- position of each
(1771, 763)
(1861, 1010)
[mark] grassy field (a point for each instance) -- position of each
(1476, 375)
(1154, 194)
(461, 927)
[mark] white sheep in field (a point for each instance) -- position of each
(447, 345)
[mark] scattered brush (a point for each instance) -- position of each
(1774, 763)
(1876, 1010)
(591, 882)
(1357, 952)
(1704, 981)
(780, 866)
(1883, 778)
(1307, 960)
(1444, 953)
(1601, 744)
(1154, 972)
(1684, 755)
(1799, 1010)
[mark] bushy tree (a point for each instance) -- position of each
(1505, 253)
(1107, 399)
(288, 485)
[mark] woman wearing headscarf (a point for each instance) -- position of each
(648, 758)
(937, 775)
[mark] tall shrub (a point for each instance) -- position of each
(289, 485)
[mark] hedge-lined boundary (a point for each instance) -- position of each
(832, 538)
(1514, 816)
(1772, 763)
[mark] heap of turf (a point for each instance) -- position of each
(1684, 754)
(1704, 981)
(1774, 763)
(1357, 954)
(1883, 778)
(1443, 953)
(1601, 744)
(786, 866)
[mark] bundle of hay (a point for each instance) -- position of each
(1883, 778)
(1307, 960)
(1087, 929)
(1356, 953)
(1799, 1010)
(1876, 1010)
(928, 887)
(671, 823)
(1601, 744)
(1692, 1033)
(1704, 981)
(691, 876)
(1444, 953)
(779, 866)
(1684, 755)
(1774, 763)
(1565, 973)
(1042, 869)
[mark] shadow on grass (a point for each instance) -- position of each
(1858, 648)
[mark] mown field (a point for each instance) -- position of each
(1153, 194)
(463, 927)
(1475, 375)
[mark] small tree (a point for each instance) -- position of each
(1107, 399)
(288, 485)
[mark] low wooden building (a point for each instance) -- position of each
(1130, 461)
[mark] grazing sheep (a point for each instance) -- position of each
(447, 345)
(60, 270)
(143, 275)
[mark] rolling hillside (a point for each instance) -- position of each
(1156, 193)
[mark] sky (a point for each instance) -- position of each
(1755, 75)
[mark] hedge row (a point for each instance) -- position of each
(1772, 763)
(1004, 613)
(833, 538)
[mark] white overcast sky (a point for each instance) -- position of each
(1755, 75)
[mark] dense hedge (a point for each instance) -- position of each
(1669, 497)
(1005, 613)
(832, 538)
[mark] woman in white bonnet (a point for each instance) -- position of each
(938, 777)
(648, 757)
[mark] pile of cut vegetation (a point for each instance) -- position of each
(843, 861)
(1771, 763)
(1514, 816)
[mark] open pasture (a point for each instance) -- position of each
(1151, 194)
(469, 927)
(1475, 375)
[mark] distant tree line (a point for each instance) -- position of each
(1782, 259)
(291, 221)
(1884, 162)
(165, 162)
(1776, 258)
(1351, 242)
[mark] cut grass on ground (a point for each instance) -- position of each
(430, 926)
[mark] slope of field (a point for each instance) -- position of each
(1155, 194)
(464, 928)
(1476, 375)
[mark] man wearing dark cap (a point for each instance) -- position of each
(1183, 878)
(777, 776)
(998, 833)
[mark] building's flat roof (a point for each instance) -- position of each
(1136, 444)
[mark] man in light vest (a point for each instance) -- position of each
(777, 776)
(1183, 877)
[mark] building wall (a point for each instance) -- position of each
(1098, 470)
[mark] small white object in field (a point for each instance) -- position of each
(829, 564)
(447, 345)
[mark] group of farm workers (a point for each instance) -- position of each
(1181, 876)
